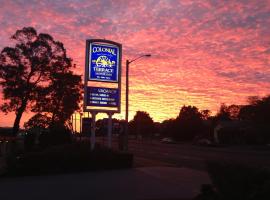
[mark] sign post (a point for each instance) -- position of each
(102, 83)
(86, 125)
(93, 130)
(110, 129)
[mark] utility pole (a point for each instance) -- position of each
(127, 100)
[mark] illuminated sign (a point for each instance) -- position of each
(103, 62)
(102, 70)
(103, 97)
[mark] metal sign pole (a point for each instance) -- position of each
(126, 117)
(80, 135)
(93, 130)
(75, 123)
(72, 123)
(110, 129)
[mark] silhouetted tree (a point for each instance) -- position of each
(223, 113)
(189, 113)
(230, 112)
(189, 123)
(257, 110)
(206, 114)
(102, 126)
(157, 130)
(61, 98)
(257, 113)
(26, 69)
(247, 113)
(142, 124)
(169, 128)
(38, 121)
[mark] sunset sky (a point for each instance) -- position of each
(204, 53)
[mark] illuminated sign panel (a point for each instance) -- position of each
(102, 80)
(103, 62)
(103, 97)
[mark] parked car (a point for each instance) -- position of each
(167, 140)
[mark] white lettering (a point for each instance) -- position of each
(103, 49)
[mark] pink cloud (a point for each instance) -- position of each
(203, 52)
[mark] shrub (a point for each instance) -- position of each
(29, 141)
(69, 158)
(56, 135)
(236, 182)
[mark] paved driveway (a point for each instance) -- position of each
(137, 183)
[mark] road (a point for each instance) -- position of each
(187, 155)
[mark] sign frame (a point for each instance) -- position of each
(89, 43)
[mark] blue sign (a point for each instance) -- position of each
(103, 62)
(104, 97)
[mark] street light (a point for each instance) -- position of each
(127, 91)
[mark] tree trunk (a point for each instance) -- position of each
(54, 111)
(19, 113)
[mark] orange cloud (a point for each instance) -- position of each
(203, 52)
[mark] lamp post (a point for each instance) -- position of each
(127, 92)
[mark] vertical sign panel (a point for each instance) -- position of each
(103, 62)
(102, 70)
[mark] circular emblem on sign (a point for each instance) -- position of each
(104, 61)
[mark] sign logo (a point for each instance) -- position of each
(104, 97)
(103, 63)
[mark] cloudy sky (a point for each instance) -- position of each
(204, 53)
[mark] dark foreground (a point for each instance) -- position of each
(138, 183)
(162, 171)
